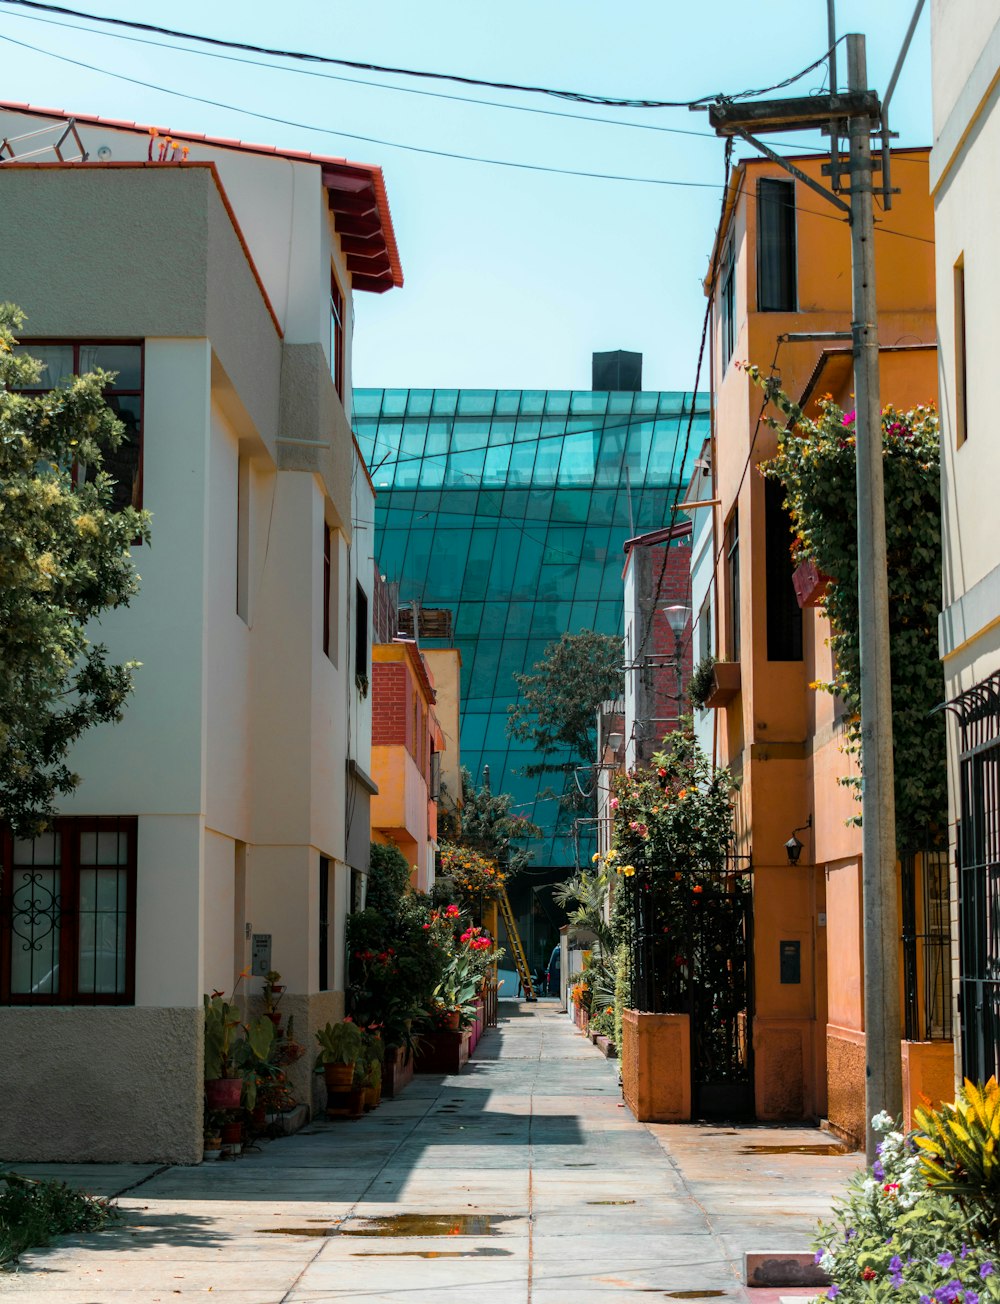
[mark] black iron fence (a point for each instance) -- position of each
(926, 946)
(690, 952)
(978, 865)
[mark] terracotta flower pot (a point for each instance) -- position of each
(223, 1093)
(451, 1020)
(339, 1077)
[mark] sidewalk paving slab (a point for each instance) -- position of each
(587, 1205)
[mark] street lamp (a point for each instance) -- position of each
(678, 616)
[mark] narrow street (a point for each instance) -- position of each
(524, 1180)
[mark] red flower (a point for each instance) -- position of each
(869, 1274)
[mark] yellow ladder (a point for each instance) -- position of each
(517, 950)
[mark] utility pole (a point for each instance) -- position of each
(884, 1075)
(858, 109)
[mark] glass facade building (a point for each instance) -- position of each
(510, 508)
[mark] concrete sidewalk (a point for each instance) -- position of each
(524, 1180)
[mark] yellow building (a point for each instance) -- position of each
(784, 268)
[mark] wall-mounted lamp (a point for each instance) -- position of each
(615, 740)
(793, 847)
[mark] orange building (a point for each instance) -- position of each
(407, 741)
(784, 268)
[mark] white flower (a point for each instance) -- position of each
(883, 1122)
(827, 1262)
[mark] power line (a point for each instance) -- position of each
(796, 145)
(385, 86)
(636, 654)
(581, 97)
(417, 149)
(346, 135)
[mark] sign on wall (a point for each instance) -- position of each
(260, 964)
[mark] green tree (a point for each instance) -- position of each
(489, 824)
(64, 559)
(816, 462)
(559, 699)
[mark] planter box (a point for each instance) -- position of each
(397, 1071)
(810, 584)
(928, 1075)
(656, 1066)
(607, 1047)
(725, 683)
(442, 1052)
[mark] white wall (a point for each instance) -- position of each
(703, 600)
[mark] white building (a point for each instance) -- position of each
(704, 623)
(965, 180)
(232, 801)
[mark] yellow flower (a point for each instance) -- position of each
(611, 855)
(595, 857)
(628, 870)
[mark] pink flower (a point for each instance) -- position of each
(613, 803)
(848, 417)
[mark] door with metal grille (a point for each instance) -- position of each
(978, 712)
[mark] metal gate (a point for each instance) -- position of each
(978, 864)
(699, 961)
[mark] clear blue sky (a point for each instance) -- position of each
(512, 277)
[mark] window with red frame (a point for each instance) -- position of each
(62, 360)
(67, 914)
(337, 335)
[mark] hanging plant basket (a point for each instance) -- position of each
(810, 583)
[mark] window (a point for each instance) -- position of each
(733, 583)
(324, 924)
(784, 615)
(61, 361)
(337, 335)
(331, 593)
(243, 538)
(727, 305)
(706, 647)
(961, 372)
(776, 280)
(360, 632)
(67, 915)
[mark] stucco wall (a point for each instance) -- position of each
(109, 1085)
(845, 1057)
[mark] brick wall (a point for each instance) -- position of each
(392, 710)
(669, 584)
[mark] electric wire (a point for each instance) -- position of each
(346, 135)
(385, 86)
(713, 277)
(581, 97)
(420, 149)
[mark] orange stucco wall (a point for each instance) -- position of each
(404, 729)
(783, 739)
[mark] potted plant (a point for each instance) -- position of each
(232, 1136)
(223, 1080)
(272, 993)
(253, 1058)
(213, 1135)
(339, 1048)
(368, 1070)
(452, 997)
(702, 682)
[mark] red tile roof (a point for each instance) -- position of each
(355, 191)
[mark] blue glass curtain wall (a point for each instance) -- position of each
(511, 507)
